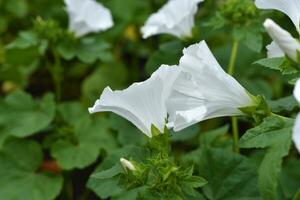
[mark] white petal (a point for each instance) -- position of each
(176, 17)
(87, 16)
(142, 103)
(296, 133)
(203, 90)
(274, 50)
(297, 91)
(290, 7)
(283, 39)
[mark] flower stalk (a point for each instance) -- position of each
(234, 121)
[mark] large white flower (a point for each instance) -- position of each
(290, 7)
(289, 45)
(142, 103)
(176, 17)
(203, 90)
(296, 129)
(86, 16)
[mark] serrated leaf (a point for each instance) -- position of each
(230, 176)
(269, 132)
(274, 133)
(271, 166)
(20, 175)
(23, 116)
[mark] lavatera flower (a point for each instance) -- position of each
(144, 103)
(203, 90)
(289, 7)
(296, 129)
(283, 42)
(176, 17)
(87, 16)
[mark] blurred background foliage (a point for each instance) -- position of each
(49, 144)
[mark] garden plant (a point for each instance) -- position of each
(149, 99)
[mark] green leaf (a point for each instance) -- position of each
(109, 173)
(168, 53)
(211, 138)
(20, 175)
(283, 104)
(128, 134)
(250, 36)
(24, 40)
(281, 64)
(84, 138)
(185, 134)
(89, 139)
(271, 131)
(290, 178)
(25, 116)
(230, 176)
(114, 75)
(91, 49)
(270, 168)
(274, 133)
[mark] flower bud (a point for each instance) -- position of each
(127, 164)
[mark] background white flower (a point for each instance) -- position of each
(290, 7)
(296, 129)
(142, 103)
(86, 16)
(203, 90)
(283, 39)
(176, 17)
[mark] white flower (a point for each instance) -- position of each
(203, 90)
(86, 16)
(290, 7)
(127, 164)
(297, 90)
(176, 17)
(274, 50)
(296, 129)
(289, 45)
(142, 103)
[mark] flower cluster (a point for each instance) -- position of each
(195, 90)
(176, 17)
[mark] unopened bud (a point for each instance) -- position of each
(127, 164)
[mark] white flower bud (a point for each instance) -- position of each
(127, 164)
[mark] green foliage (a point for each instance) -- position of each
(52, 148)
(21, 175)
(82, 138)
(274, 133)
(227, 174)
(281, 64)
(36, 115)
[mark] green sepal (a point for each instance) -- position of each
(259, 110)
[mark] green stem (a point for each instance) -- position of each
(233, 55)
(235, 131)
(56, 72)
(234, 121)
